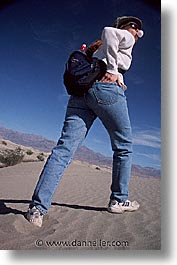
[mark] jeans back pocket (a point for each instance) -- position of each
(107, 93)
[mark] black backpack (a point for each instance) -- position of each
(81, 72)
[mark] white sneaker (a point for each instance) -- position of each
(120, 207)
(34, 216)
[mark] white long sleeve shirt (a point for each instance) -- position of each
(116, 50)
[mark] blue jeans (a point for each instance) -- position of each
(107, 102)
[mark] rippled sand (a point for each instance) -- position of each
(78, 218)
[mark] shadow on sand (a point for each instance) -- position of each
(7, 210)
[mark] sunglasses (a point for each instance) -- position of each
(133, 25)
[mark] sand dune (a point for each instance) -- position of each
(78, 218)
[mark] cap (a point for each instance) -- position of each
(125, 20)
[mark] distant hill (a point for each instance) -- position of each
(35, 141)
(86, 155)
(83, 154)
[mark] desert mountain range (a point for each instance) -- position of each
(84, 154)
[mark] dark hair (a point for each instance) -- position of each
(93, 47)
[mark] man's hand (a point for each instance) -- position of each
(110, 78)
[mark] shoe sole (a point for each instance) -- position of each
(114, 210)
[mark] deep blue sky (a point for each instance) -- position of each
(36, 39)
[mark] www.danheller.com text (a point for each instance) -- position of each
(81, 243)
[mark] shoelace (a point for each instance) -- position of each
(126, 203)
(35, 213)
